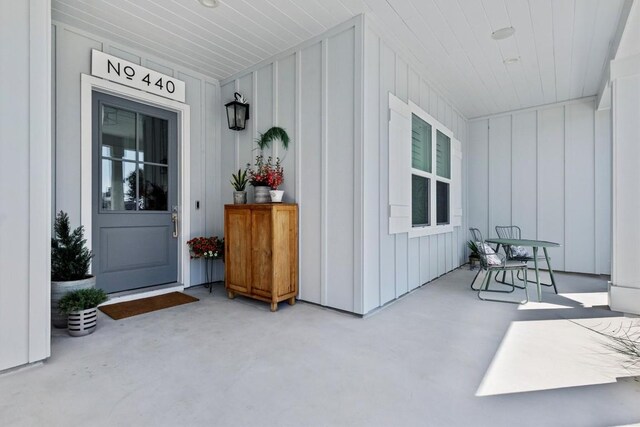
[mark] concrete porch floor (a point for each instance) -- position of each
(438, 356)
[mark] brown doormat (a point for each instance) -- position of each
(126, 309)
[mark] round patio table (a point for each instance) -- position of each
(535, 244)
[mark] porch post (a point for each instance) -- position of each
(624, 291)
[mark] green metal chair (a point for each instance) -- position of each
(514, 232)
(493, 263)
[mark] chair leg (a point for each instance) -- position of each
(474, 279)
(484, 287)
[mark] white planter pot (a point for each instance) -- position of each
(81, 323)
(262, 194)
(59, 289)
(276, 195)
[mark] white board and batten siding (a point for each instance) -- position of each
(25, 183)
(314, 92)
(547, 170)
(395, 264)
(72, 57)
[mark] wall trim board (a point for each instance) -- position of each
(358, 175)
(351, 22)
(39, 183)
(324, 190)
(88, 85)
(534, 108)
(298, 158)
(109, 44)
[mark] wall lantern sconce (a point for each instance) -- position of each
(237, 113)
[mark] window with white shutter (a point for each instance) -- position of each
(425, 172)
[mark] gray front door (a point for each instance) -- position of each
(134, 193)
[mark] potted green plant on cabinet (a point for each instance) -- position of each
(81, 308)
(70, 261)
(239, 182)
(267, 176)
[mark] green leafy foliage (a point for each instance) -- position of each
(81, 299)
(473, 247)
(240, 180)
(70, 258)
(275, 133)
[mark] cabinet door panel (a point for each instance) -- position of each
(238, 250)
(261, 268)
(285, 257)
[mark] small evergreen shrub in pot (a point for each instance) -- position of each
(70, 261)
(81, 308)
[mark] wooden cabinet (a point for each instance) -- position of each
(261, 251)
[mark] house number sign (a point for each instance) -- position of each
(129, 74)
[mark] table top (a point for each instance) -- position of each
(523, 242)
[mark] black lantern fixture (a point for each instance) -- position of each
(237, 113)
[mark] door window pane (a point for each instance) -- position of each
(153, 139)
(442, 202)
(443, 155)
(118, 190)
(118, 133)
(419, 200)
(153, 187)
(420, 144)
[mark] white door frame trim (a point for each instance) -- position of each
(87, 85)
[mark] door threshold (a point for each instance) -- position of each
(139, 293)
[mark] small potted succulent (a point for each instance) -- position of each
(70, 261)
(81, 308)
(239, 182)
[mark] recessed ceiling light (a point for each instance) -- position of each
(511, 60)
(209, 3)
(503, 33)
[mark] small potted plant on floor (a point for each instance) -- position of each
(239, 182)
(474, 254)
(81, 308)
(70, 261)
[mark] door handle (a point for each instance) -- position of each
(174, 220)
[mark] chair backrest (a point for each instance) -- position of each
(477, 238)
(508, 231)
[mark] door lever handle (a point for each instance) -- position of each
(174, 220)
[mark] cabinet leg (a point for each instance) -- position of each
(231, 295)
(274, 306)
(291, 300)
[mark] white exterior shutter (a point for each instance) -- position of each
(456, 183)
(399, 166)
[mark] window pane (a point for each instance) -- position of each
(442, 202)
(118, 185)
(420, 144)
(443, 155)
(118, 133)
(419, 200)
(153, 134)
(153, 187)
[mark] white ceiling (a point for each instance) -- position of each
(563, 45)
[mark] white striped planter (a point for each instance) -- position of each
(60, 289)
(81, 323)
